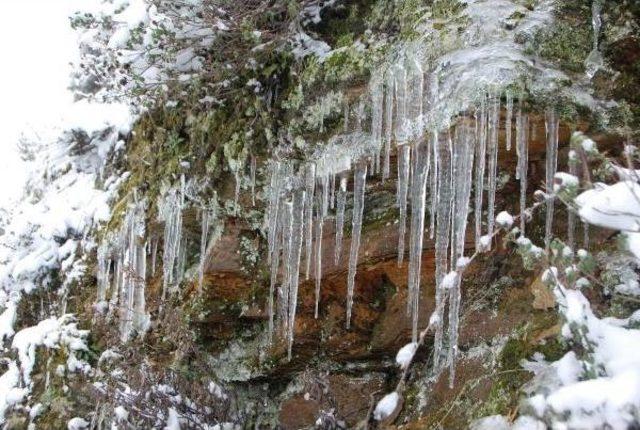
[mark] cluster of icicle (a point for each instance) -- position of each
(125, 260)
(436, 171)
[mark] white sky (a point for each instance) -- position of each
(36, 46)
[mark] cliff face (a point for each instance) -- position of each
(190, 321)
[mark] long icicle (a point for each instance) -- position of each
(341, 204)
(463, 164)
(493, 163)
(551, 167)
(388, 125)
(404, 160)
(297, 230)
(481, 152)
(310, 184)
(322, 197)
(418, 206)
(359, 180)
(508, 120)
(443, 226)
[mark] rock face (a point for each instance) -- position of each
(205, 352)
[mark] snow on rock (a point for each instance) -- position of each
(7, 319)
(173, 422)
(386, 406)
(121, 413)
(504, 220)
(493, 422)
(10, 393)
(614, 206)
(51, 333)
(405, 354)
(77, 423)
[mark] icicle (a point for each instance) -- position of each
(401, 103)
(154, 256)
(322, 211)
(359, 178)
(463, 167)
(275, 266)
(418, 206)
(170, 212)
(404, 160)
(508, 120)
(522, 148)
(481, 153)
(444, 196)
(433, 187)
(416, 96)
(332, 188)
(297, 224)
(310, 185)
(287, 247)
(377, 99)
(252, 173)
(104, 268)
(272, 215)
(236, 195)
(493, 163)
(132, 312)
(388, 125)
(594, 61)
(341, 204)
(141, 318)
(551, 167)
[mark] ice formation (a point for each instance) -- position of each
(594, 61)
(170, 213)
(442, 119)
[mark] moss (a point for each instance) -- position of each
(565, 44)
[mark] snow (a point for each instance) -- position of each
(485, 243)
(504, 220)
(493, 422)
(121, 413)
(386, 406)
(633, 244)
(604, 400)
(564, 180)
(614, 206)
(450, 279)
(77, 423)
(405, 354)
(51, 333)
(173, 422)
